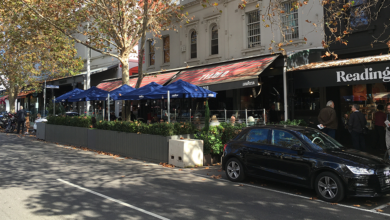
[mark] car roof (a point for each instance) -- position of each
(282, 127)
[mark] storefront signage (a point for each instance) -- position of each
(213, 75)
(249, 83)
(365, 73)
(227, 75)
(52, 87)
(175, 95)
(368, 74)
(141, 96)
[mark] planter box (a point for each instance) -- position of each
(154, 148)
(69, 135)
(186, 153)
(148, 147)
(41, 130)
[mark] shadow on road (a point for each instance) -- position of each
(35, 166)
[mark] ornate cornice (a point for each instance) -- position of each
(192, 25)
(212, 19)
(196, 2)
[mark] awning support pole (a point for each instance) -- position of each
(44, 101)
(169, 103)
(54, 106)
(264, 117)
(225, 116)
(108, 113)
(190, 115)
(285, 86)
(104, 109)
(246, 117)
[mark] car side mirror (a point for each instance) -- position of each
(297, 147)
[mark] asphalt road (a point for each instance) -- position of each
(41, 180)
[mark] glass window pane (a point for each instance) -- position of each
(166, 42)
(214, 49)
(193, 44)
(259, 136)
(284, 139)
(167, 56)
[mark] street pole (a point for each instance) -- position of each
(54, 106)
(169, 102)
(44, 100)
(108, 111)
(104, 109)
(285, 86)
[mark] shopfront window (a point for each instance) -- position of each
(307, 99)
(359, 13)
(367, 96)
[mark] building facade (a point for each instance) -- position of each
(235, 33)
(360, 76)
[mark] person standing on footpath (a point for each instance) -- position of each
(380, 132)
(388, 130)
(21, 115)
(356, 123)
(327, 118)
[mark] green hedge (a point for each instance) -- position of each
(217, 136)
(76, 121)
(164, 129)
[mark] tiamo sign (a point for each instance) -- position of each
(368, 74)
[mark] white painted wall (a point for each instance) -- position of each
(232, 34)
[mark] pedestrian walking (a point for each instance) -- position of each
(380, 132)
(21, 115)
(356, 126)
(327, 118)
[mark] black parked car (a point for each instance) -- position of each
(306, 157)
(71, 114)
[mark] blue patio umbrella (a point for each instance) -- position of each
(139, 94)
(181, 89)
(117, 93)
(66, 96)
(92, 94)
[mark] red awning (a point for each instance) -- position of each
(2, 99)
(159, 79)
(24, 94)
(109, 86)
(232, 75)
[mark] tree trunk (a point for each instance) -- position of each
(125, 80)
(142, 46)
(12, 96)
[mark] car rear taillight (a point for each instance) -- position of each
(224, 147)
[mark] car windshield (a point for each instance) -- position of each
(319, 140)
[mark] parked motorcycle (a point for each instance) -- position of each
(11, 123)
(3, 120)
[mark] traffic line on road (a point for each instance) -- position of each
(114, 200)
(380, 207)
(303, 197)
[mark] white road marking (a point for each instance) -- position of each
(380, 207)
(303, 197)
(114, 200)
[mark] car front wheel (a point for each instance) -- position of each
(329, 187)
(234, 170)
